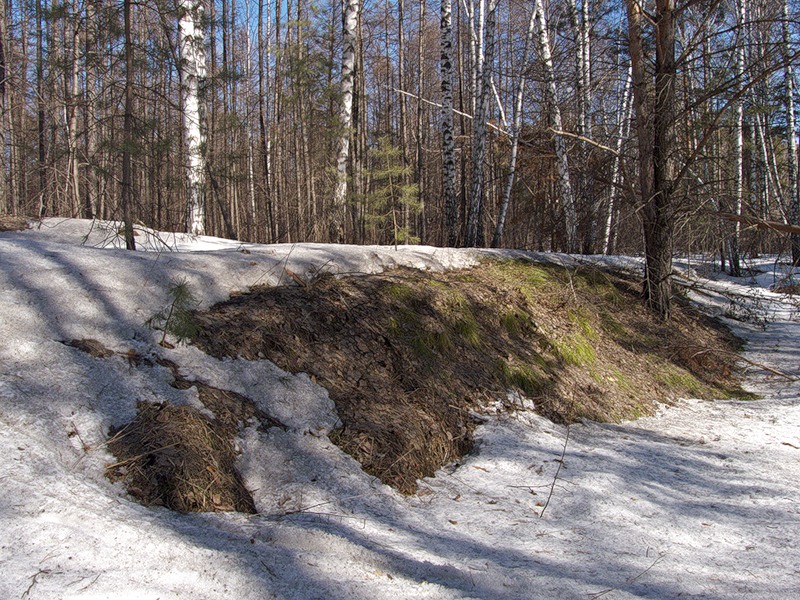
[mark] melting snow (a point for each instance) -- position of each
(699, 500)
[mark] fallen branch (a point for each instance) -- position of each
(750, 362)
(758, 223)
(628, 582)
(555, 479)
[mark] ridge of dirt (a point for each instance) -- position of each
(409, 357)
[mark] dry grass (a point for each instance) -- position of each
(177, 457)
(13, 223)
(407, 355)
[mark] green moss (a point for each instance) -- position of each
(467, 328)
(430, 344)
(523, 377)
(400, 292)
(622, 381)
(677, 378)
(611, 326)
(521, 273)
(579, 319)
(575, 350)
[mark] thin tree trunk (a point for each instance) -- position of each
(516, 128)
(350, 23)
(448, 143)
(422, 227)
(623, 128)
(738, 175)
(7, 141)
(193, 72)
(565, 186)
(791, 137)
(127, 176)
(474, 232)
(40, 105)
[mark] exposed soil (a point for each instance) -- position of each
(176, 456)
(410, 358)
(13, 223)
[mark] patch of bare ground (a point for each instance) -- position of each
(177, 456)
(409, 357)
(13, 223)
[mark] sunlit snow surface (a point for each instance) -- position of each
(698, 501)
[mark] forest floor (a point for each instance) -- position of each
(413, 358)
(512, 365)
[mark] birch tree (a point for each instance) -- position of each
(554, 114)
(738, 174)
(193, 73)
(791, 135)
(483, 78)
(516, 128)
(127, 176)
(448, 143)
(350, 22)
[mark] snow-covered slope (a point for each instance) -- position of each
(699, 500)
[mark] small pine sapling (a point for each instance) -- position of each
(177, 318)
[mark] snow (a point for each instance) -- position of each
(699, 500)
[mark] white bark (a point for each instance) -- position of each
(350, 23)
(567, 196)
(623, 129)
(791, 135)
(516, 128)
(251, 179)
(193, 73)
(448, 144)
(738, 182)
(483, 68)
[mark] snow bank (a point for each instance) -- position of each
(699, 500)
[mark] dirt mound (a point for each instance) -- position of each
(177, 457)
(409, 357)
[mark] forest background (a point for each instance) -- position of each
(591, 126)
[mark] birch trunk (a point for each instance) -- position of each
(127, 176)
(448, 142)
(40, 109)
(474, 232)
(791, 136)
(193, 72)
(7, 142)
(516, 128)
(420, 158)
(565, 186)
(623, 129)
(738, 175)
(350, 22)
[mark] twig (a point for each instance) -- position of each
(555, 479)
(34, 581)
(584, 139)
(142, 455)
(750, 362)
(458, 112)
(627, 582)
